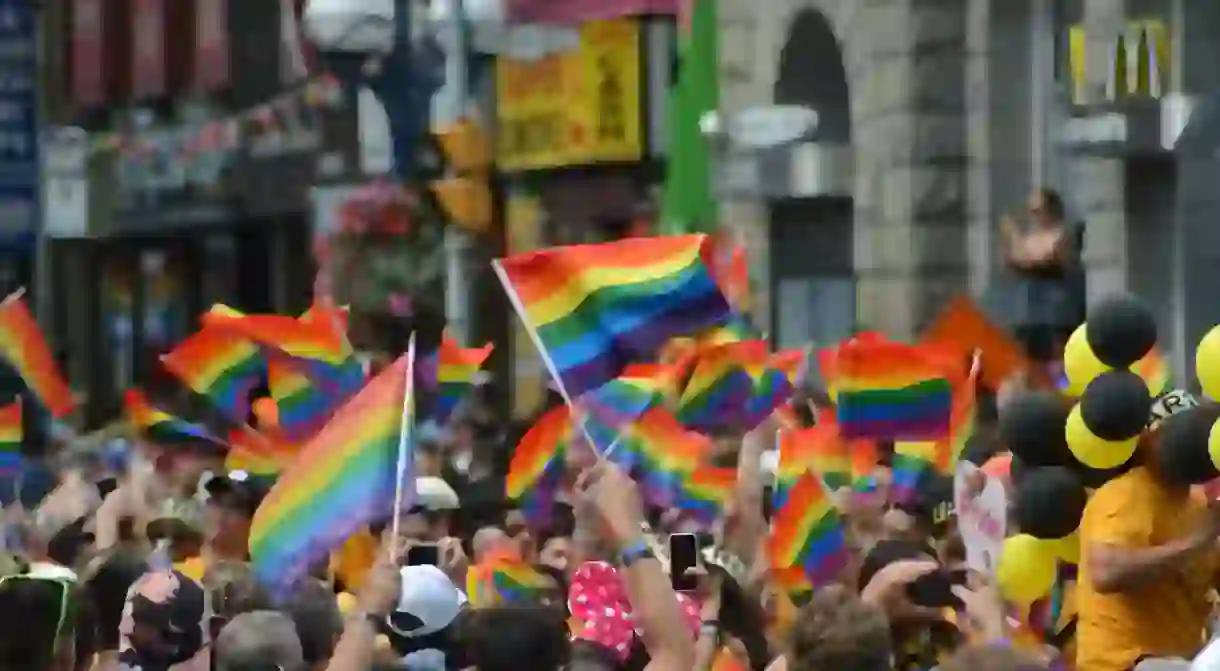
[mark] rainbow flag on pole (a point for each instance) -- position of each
(455, 370)
(808, 532)
(11, 437)
(594, 309)
(892, 391)
(343, 480)
(219, 365)
(24, 348)
(161, 427)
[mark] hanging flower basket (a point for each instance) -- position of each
(387, 256)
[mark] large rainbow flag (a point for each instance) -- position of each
(342, 480)
(24, 348)
(594, 309)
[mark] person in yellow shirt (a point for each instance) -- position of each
(1147, 567)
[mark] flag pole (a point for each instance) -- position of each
(404, 447)
(519, 308)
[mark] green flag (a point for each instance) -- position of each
(688, 203)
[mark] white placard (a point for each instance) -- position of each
(981, 516)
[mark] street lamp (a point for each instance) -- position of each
(367, 43)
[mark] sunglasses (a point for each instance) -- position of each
(65, 587)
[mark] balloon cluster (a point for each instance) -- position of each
(1104, 428)
(1060, 450)
(1047, 507)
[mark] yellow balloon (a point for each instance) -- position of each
(1068, 548)
(1026, 569)
(1207, 364)
(1080, 365)
(1093, 451)
(1213, 444)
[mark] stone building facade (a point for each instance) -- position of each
(955, 110)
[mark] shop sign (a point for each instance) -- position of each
(1139, 61)
(575, 107)
(579, 11)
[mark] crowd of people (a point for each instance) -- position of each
(145, 570)
(139, 559)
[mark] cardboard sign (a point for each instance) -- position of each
(962, 327)
(982, 512)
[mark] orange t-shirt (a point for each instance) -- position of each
(1165, 617)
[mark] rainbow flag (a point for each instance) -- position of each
(24, 348)
(161, 427)
(664, 452)
(593, 309)
(343, 479)
(732, 272)
(808, 532)
(865, 458)
(962, 425)
(892, 391)
(537, 464)
(719, 387)
(819, 449)
(304, 341)
(258, 453)
(219, 365)
(704, 493)
(456, 368)
(792, 581)
(624, 399)
(504, 578)
(11, 437)
(773, 383)
(304, 405)
(912, 459)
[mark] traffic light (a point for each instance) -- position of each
(461, 186)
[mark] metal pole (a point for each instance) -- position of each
(41, 275)
(451, 106)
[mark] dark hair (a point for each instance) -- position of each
(66, 545)
(590, 656)
(316, 615)
(86, 630)
(107, 590)
(32, 610)
(1053, 202)
(498, 639)
(836, 630)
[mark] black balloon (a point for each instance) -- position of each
(1120, 331)
(1180, 450)
(1049, 502)
(1096, 477)
(1116, 405)
(1032, 427)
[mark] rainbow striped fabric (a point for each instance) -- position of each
(594, 309)
(892, 391)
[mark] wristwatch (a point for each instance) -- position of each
(633, 553)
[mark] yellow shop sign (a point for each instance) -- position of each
(572, 108)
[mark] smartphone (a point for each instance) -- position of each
(683, 556)
(935, 590)
(424, 554)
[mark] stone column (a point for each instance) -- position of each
(911, 161)
(1099, 184)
